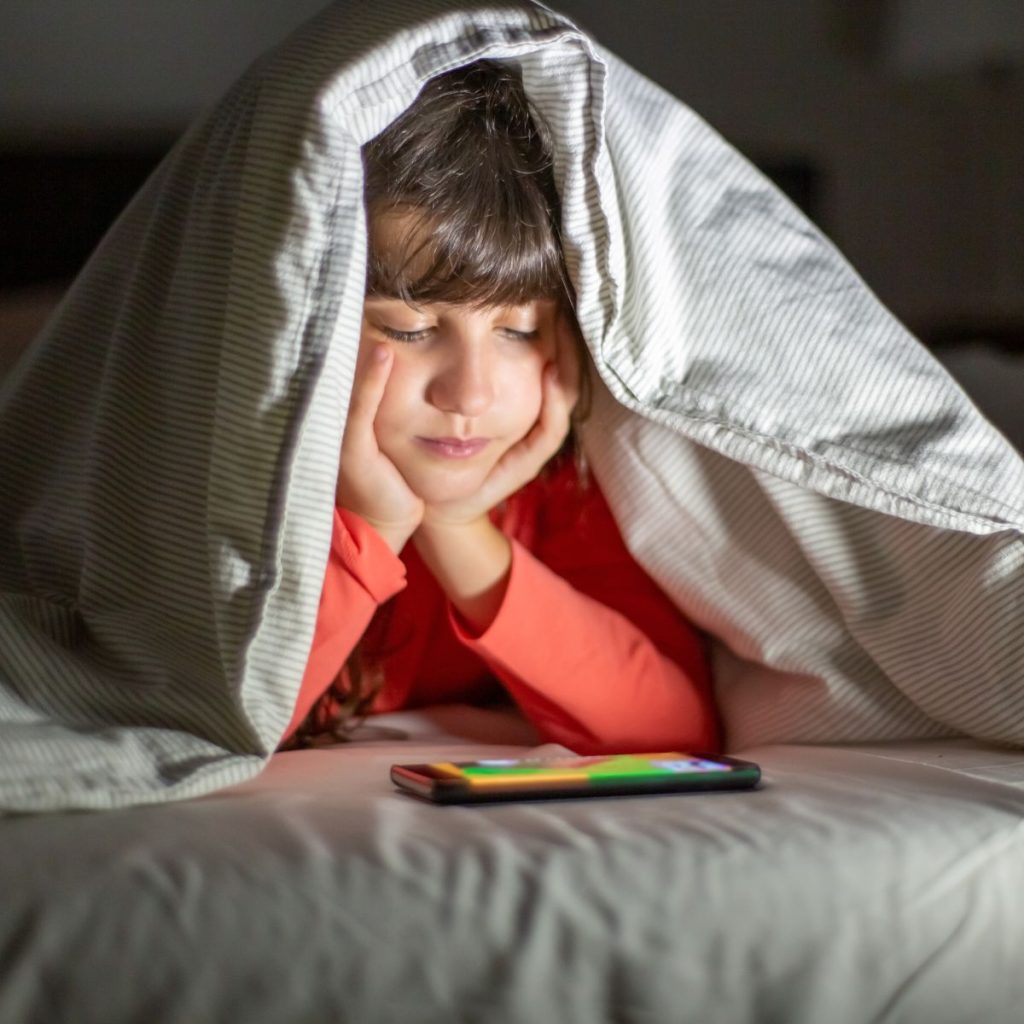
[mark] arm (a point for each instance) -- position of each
(471, 563)
(362, 573)
(375, 515)
(592, 650)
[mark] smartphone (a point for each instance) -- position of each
(601, 775)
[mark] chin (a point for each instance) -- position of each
(436, 485)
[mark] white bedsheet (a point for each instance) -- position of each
(870, 883)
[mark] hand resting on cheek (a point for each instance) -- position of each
(369, 484)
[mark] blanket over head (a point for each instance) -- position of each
(791, 466)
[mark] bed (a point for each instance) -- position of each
(871, 882)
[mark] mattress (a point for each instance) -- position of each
(880, 882)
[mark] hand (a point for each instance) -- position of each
(369, 484)
(525, 459)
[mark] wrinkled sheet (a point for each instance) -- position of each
(872, 883)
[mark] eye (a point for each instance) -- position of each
(515, 335)
(406, 336)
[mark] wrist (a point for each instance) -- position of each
(395, 535)
(434, 528)
(446, 543)
(470, 561)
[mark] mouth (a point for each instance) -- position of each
(453, 447)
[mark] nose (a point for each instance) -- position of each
(464, 382)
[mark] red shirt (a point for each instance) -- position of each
(592, 651)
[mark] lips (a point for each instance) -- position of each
(454, 447)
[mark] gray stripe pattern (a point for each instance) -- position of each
(794, 469)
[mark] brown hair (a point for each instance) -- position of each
(471, 161)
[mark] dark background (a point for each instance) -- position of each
(898, 124)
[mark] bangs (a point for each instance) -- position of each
(466, 257)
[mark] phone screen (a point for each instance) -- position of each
(597, 769)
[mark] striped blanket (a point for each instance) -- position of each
(794, 469)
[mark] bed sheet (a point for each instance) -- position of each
(870, 883)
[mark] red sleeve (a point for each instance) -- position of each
(595, 654)
(362, 573)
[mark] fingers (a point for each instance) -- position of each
(367, 393)
(525, 459)
(369, 484)
(555, 411)
(569, 359)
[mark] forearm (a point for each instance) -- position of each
(348, 612)
(590, 678)
(361, 574)
(470, 563)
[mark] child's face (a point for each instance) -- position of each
(465, 386)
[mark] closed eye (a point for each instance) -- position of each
(407, 336)
(520, 335)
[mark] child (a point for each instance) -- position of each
(469, 550)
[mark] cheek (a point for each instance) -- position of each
(525, 394)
